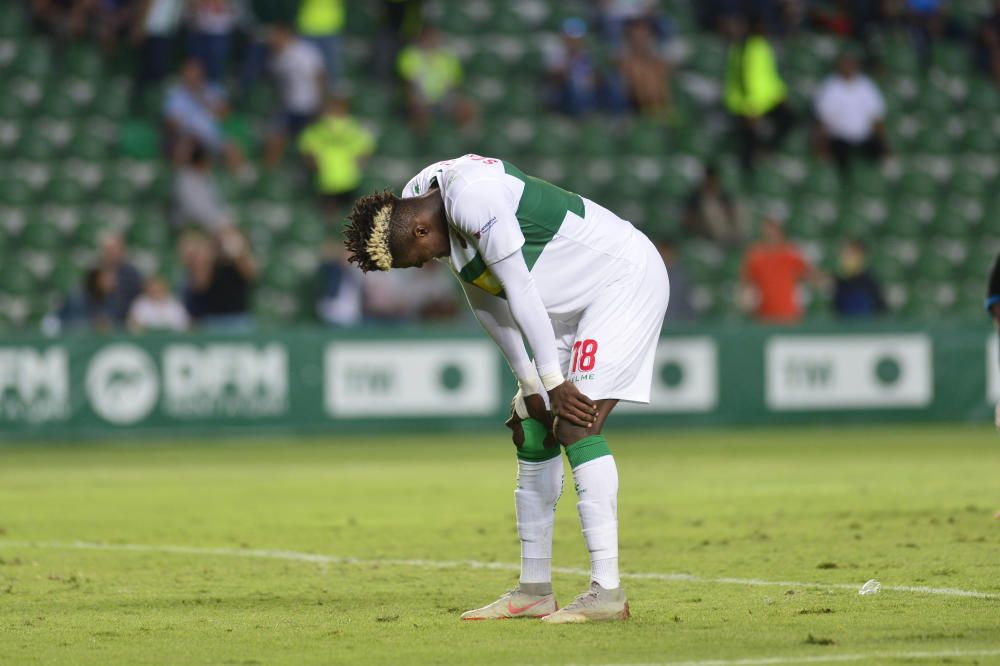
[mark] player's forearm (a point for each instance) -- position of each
(508, 339)
(529, 314)
(494, 316)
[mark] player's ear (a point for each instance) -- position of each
(420, 230)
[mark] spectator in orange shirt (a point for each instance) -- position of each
(772, 270)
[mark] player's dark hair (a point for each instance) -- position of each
(361, 225)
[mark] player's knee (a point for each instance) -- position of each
(566, 433)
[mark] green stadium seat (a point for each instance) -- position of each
(116, 189)
(647, 138)
(12, 20)
(708, 56)
(915, 183)
(82, 60)
(770, 182)
(822, 179)
(33, 59)
(37, 143)
(813, 216)
(15, 280)
(139, 139)
(112, 99)
(65, 190)
(15, 192)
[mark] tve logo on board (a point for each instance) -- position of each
(411, 378)
(848, 372)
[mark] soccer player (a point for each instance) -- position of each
(993, 308)
(587, 291)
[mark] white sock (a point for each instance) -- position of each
(597, 491)
(539, 485)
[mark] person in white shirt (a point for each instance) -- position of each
(157, 310)
(300, 75)
(851, 113)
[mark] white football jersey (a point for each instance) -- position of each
(572, 246)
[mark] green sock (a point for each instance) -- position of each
(534, 448)
(587, 449)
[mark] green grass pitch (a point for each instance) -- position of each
(187, 569)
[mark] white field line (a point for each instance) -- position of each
(295, 556)
(821, 659)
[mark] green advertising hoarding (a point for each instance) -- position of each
(314, 380)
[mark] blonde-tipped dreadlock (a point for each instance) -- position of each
(366, 237)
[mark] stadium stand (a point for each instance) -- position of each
(79, 156)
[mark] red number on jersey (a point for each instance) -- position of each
(584, 355)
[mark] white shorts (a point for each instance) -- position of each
(609, 351)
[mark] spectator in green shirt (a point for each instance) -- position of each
(755, 93)
(337, 147)
(432, 74)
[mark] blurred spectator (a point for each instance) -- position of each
(755, 93)
(114, 282)
(339, 302)
(113, 22)
(197, 201)
(337, 146)
(430, 292)
(680, 308)
(320, 22)
(98, 286)
(157, 309)
(432, 74)
(63, 18)
(220, 276)
(299, 74)
(576, 87)
(404, 296)
(614, 17)
(645, 70)
(773, 268)
(193, 108)
(987, 44)
(851, 115)
(402, 20)
(711, 213)
(259, 17)
(155, 31)
(856, 292)
(930, 22)
(212, 24)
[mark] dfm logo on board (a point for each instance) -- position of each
(124, 385)
(34, 384)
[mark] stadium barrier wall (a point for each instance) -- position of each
(402, 379)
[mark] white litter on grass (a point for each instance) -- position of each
(871, 587)
(317, 558)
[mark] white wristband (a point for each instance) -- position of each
(520, 408)
(550, 380)
(528, 385)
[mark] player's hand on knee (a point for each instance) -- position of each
(996, 416)
(516, 430)
(574, 407)
(535, 404)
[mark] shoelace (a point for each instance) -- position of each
(586, 596)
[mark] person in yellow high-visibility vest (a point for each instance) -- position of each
(337, 146)
(321, 22)
(755, 93)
